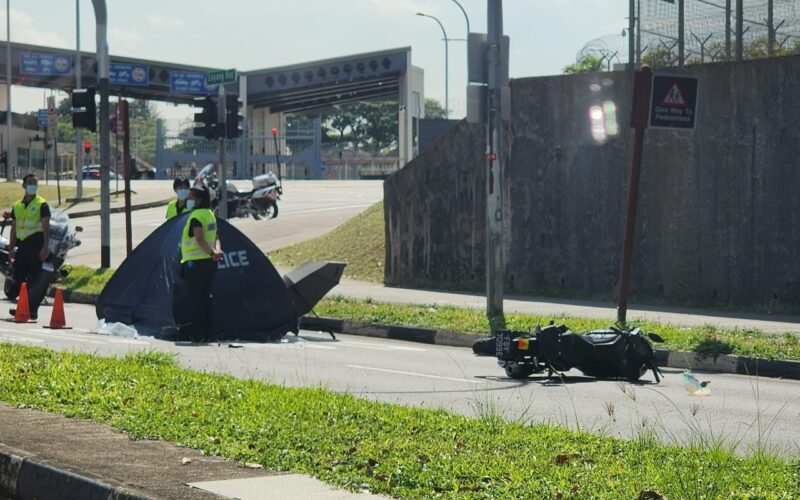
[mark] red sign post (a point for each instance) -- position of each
(639, 118)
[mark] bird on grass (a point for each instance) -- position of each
(694, 386)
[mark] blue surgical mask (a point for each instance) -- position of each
(190, 204)
(182, 194)
(31, 189)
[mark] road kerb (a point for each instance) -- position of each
(722, 363)
(21, 477)
(117, 210)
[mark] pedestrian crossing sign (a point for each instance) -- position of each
(673, 102)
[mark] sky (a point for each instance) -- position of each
(253, 34)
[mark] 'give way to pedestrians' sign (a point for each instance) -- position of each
(673, 102)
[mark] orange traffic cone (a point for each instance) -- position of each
(23, 314)
(57, 319)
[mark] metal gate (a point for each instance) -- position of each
(183, 156)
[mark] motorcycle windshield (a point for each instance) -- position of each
(206, 171)
(59, 224)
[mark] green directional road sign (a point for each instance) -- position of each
(223, 76)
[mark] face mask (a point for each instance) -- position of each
(182, 194)
(31, 189)
(190, 204)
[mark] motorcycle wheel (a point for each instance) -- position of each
(256, 214)
(517, 372)
(273, 209)
(635, 372)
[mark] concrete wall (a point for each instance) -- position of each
(719, 209)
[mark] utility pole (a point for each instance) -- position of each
(495, 262)
(78, 131)
(221, 122)
(9, 119)
(101, 19)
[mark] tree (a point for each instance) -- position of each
(659, 58)
(371, 126)
(587, 64)
(434, 109)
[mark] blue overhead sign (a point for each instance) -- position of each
(43, 64)
(43, 119)
(190, 82)
(129, 74)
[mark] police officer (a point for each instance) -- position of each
(199, 258)
(31, 230)
(178, 206)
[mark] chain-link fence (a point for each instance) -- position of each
(708, 31)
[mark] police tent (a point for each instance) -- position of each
(251, 301)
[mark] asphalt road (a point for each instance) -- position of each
(741, 409)
(308, 209)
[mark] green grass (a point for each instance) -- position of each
(706, 340)
(86, 279)
(359, 242)
(356, 444)
(11, 192)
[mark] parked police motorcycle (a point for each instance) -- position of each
(261, 202)
(62, 240)
(612, 353)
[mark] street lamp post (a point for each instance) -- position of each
(9, 118)
(446, 65)
(466, 17)
(78, 131)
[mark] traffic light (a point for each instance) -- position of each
(84, 110)
(233, 116)
(205, 122)
(87, 147)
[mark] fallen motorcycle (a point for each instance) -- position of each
(613, 353)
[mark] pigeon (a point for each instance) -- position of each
(694, 386)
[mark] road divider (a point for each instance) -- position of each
(720, 363)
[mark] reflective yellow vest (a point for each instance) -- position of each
(28, 219)
(172, 209)
(190, 248)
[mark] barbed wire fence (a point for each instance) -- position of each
(707, 31)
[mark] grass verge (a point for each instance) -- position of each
(707, 340)
(85, 279)
(359, 242)
(356, 444)
(11, 192)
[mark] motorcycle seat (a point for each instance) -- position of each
(601, 337)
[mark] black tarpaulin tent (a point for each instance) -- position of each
(250, 299)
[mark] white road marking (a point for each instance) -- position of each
(127, 341)
(323, 209)
(413, 374)
(72, 337)
(376, 347)
(14, 338)
(281, 344)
